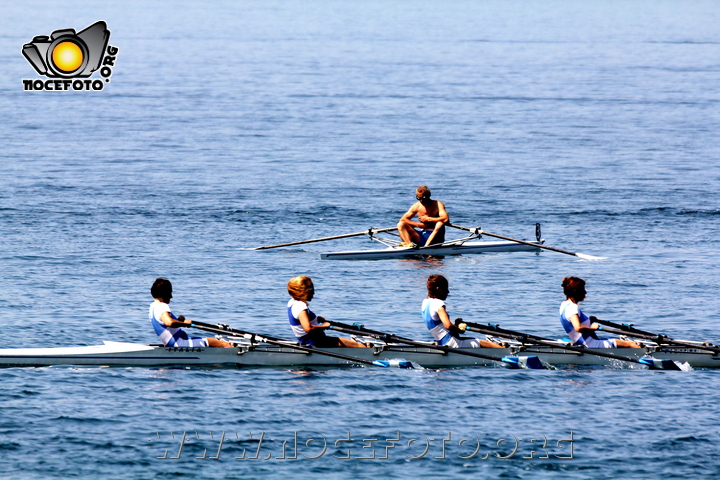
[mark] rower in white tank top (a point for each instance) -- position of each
(438, 322)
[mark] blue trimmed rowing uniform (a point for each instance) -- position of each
(172, 337)
(430, 307)
(315, 337)
(567, 310)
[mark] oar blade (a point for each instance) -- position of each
(401, 363)
(511, 362)
(397, 363)
(532, 362)
(659, 364)
(589, 257)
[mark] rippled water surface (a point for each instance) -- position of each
(229, 125)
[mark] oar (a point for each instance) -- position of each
(492, 329)
(628, 330)
(370, 232)
(480, 231)
(225, 329)
(514, 362)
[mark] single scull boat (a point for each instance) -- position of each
(441, 249)
(460, 246)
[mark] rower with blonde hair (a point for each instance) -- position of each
(308, 327)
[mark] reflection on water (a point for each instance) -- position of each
(425, 262)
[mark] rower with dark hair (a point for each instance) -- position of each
(432, 218)
(438, 322)
(579, 327)
(162, 318)
(308, 327)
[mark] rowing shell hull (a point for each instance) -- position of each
(434, 250)
(131, 354)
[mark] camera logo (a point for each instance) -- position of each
(69, 56)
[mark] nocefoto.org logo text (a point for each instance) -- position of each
(68, 58)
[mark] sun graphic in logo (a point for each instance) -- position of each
(67, 56)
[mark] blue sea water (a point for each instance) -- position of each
(229, 125)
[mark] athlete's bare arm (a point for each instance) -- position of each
(408, 217)
(431, 217)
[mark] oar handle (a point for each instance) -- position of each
(526, 338)
(492, 329)
(224, 329)
(625, 327)
(357, 328)
(343, 327)
(616, 331)
(658, 338)
(370, 232)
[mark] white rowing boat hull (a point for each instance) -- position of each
(131, 354)
(434, 250)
